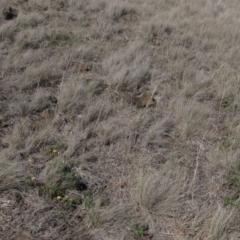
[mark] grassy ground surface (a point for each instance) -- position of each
(120, 120)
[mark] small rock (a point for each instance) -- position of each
(150, 235)
(139, 99)
(85, 67)
(9, 13)
(127, 18)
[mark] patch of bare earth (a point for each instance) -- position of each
(119, 119)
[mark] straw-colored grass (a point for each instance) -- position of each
(120, 120)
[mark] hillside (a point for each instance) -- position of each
(119, 119)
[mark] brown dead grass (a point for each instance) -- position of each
(120, 120)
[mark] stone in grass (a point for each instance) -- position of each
(85, 67)
(139, 99)
(9, 13)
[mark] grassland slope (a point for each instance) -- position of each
(119, 119)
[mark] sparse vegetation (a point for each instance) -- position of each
(119, 119)
(139, 230)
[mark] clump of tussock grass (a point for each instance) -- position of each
(69, 59)
(55, 181)
(37, 38)
(42, 99)
(60, 179)
(60, 37)
(160, 135)
(19, 63)
(88, 6)
(79, 5)
(116, 10)
(8, 31)
(28, 136)
(88, 53)
(98, 112)
(156, 32)
(40, 76)
(226, 91)
(73, 147)
(42, 136)
(100, 218)
(4, 51)
(36, 5)
(72, 97)
(199, 90)
(203, 96)
(142, 121)
(79, 140)
(157, 193)
(21, 107)
(19, 134)
(194, 118)
(30, 39)
(219, 224)
(32, 20)
(96, 87)
(111, 136)
(223, 71)
(232, 185)
(12, 174)
(128, 69)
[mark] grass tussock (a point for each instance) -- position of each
(119, 119)
(118, 10)
(157, 195)
(31, 20)
(8, 32)
(128, 69)
(42, 99)
(33, 39)
(12, 174)
(40, 76)
(72, 97)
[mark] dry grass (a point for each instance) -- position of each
(13, 176)
(120, 120)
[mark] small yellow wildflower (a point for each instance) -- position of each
(30, 160)
(54, 150)
(59, 197)
(33, 178)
